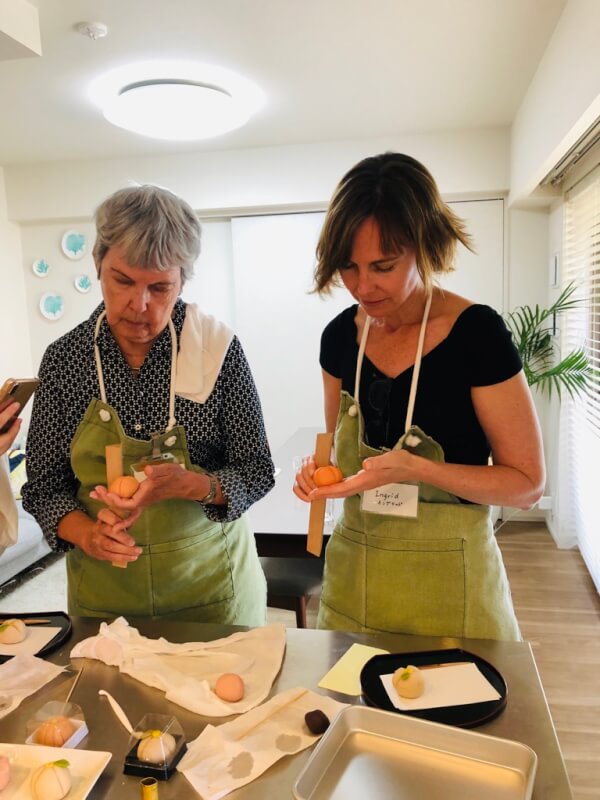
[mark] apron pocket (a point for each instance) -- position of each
(343, 585)
(416, 586)
(191, 573)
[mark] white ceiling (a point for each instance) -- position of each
(331, 69)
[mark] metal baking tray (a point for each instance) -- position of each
(377, 754)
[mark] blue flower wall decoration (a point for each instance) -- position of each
(52, 306)
(41, 268)
(73, 244)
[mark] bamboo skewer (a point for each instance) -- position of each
(272, 714)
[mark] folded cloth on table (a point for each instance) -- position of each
(21, 676)
(231, 755)
(187, 672)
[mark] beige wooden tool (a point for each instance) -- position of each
(316, 521)
(114, 469)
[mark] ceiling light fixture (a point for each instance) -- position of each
(179, 101)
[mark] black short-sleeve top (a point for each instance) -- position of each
(478, 351)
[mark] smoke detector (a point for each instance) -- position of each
(93, 30)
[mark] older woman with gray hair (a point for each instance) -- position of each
(172, 387)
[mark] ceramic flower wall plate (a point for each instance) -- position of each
(52, 306)
(83, 284)
(73, 245)
(41, 268)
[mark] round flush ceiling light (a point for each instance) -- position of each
(175, 100)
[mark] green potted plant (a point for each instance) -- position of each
(533, 331)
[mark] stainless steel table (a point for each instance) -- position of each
(309, 655)
(280, 519)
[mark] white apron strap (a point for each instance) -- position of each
(416, 368)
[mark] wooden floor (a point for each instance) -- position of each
(558, 609)
(559, 612)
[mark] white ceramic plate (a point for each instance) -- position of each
(85, 767)
(73, 245)
(83, 284)
(52, 306)
(41, 268)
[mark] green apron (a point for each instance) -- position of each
(439, 574)
(190, 568)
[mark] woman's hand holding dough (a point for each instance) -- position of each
(309, 477)
(163, 482)
(395, 466)
(108, 540)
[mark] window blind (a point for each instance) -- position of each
(578, 506)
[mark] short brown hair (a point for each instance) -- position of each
(400, 194)
(155, 228)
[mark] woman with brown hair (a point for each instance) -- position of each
(421, 387)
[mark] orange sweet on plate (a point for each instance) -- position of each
(325, 476)
(125, 486)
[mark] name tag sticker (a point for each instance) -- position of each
(393, 499)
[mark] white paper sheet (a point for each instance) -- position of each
(37, 638)
(457, 685)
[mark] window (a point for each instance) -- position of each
(578, 509)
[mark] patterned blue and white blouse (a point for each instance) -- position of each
(225, 435)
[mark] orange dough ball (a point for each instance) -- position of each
(229, 687)
(125, 486)
(325, 476)
(54, 732)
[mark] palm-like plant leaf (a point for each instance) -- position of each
(533, 332)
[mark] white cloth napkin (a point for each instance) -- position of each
(21, 676)
(231, 755)
(203, 344)
(187, 672)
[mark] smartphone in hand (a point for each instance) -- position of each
(16, 390)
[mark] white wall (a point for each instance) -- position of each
(15, 358)
(264, 178)
(562, 100)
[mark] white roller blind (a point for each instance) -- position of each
(579, 496)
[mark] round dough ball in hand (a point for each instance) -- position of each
(408, 682)
(325, 476)
(125, 486)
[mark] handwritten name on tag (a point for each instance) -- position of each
(393, 499)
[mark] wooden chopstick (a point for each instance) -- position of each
(33, 621)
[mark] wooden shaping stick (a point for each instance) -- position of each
(316, 521)
(114, 469)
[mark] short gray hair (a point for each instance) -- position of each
(154, 227)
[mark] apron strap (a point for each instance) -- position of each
(172, 421)
(98, 359)
(416, 368)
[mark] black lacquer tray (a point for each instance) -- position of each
(56, 619)
(463, 716)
